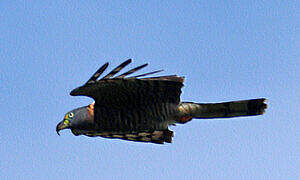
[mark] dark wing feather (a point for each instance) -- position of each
(117, 69)
(157, 137)
(97, 74)
(129, 105)
(131, 71)
(146, 74)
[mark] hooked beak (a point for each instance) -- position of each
(60, 126)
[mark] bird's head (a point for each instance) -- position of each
(67, 122)
(77, 118)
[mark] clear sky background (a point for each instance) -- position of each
(227, 51)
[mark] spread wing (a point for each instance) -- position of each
(99, 89)
(131, 104)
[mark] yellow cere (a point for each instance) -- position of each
(66, 122)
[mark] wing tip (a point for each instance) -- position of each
(73, 92)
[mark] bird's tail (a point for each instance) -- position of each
(189, 110)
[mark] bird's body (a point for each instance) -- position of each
(141, 109)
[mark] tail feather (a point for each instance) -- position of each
(250, 107)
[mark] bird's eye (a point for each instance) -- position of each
(71, 115)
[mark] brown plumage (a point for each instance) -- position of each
(141, 109)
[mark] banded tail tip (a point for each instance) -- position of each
(257, 106)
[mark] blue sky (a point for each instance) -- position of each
(227, 51)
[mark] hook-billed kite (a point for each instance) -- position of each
(140, 108)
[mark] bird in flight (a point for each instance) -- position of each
(141, 109)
